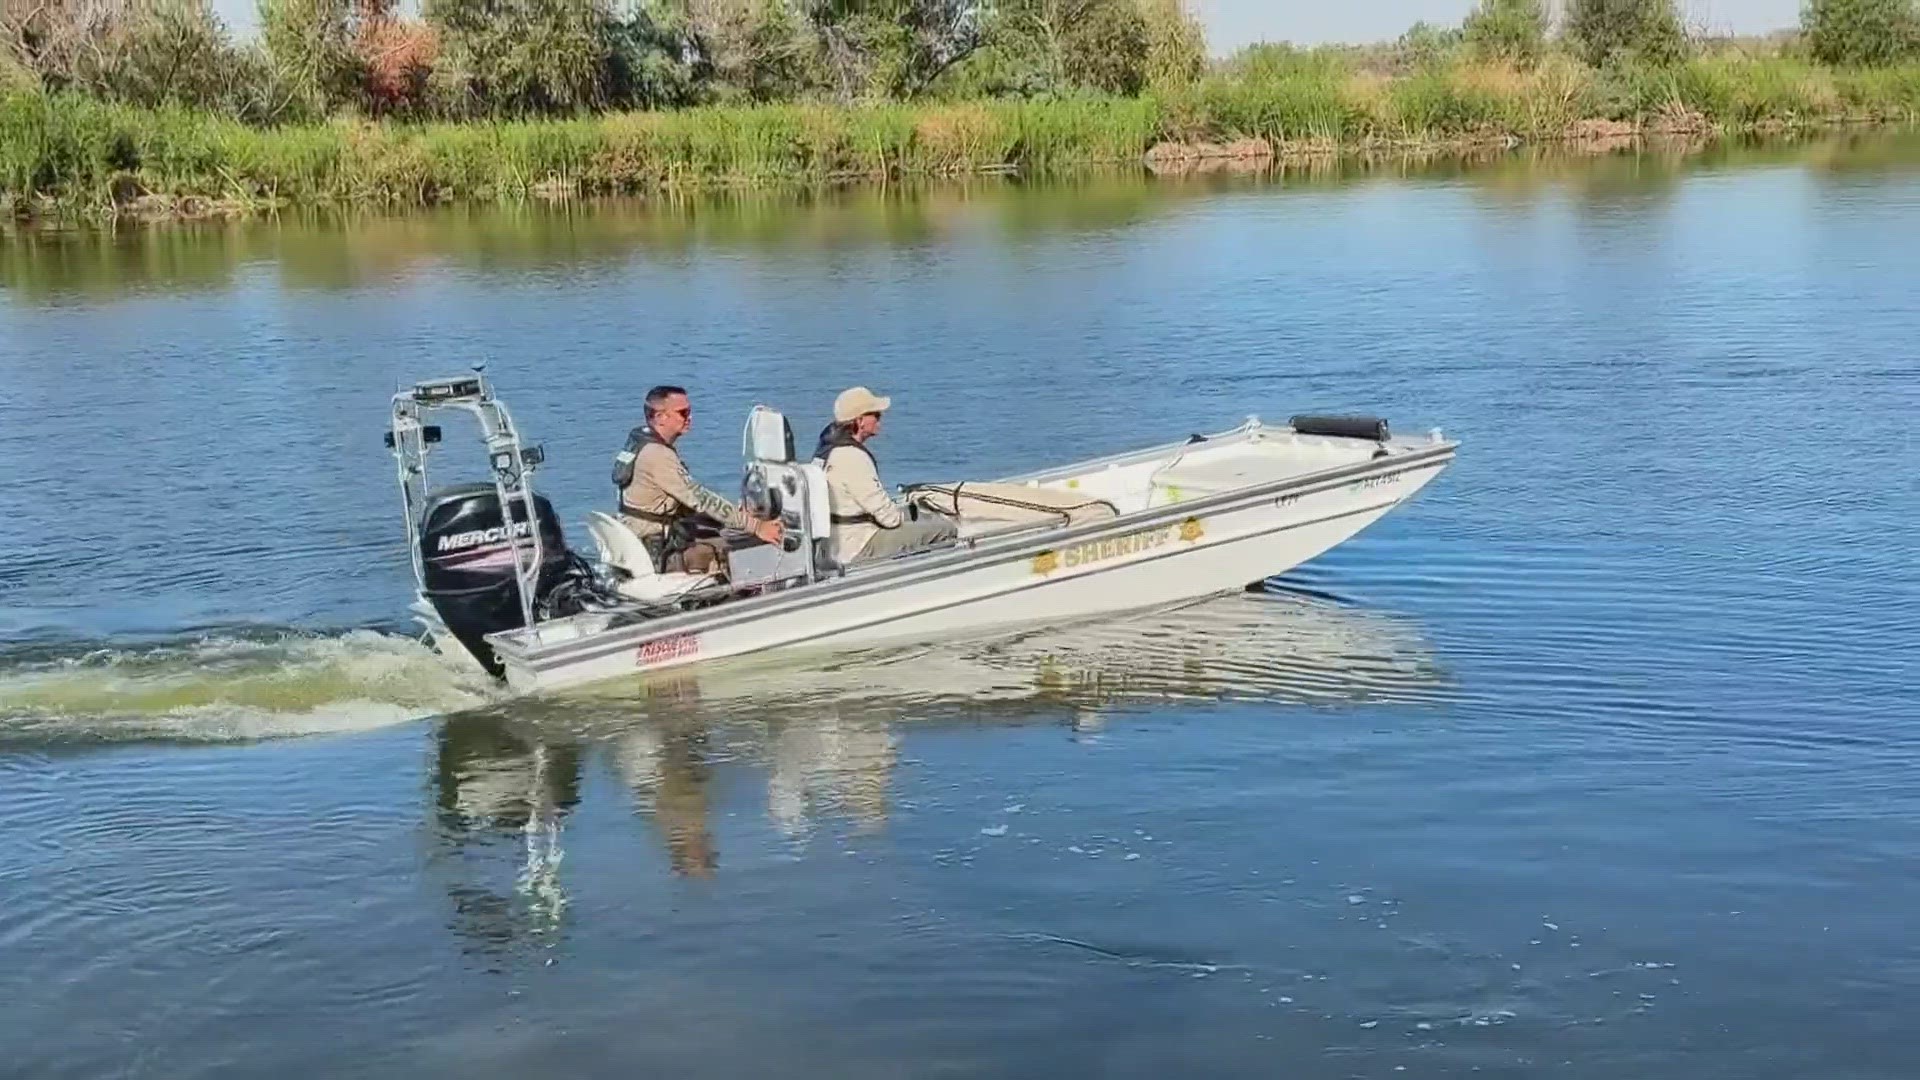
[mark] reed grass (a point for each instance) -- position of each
(72, 152)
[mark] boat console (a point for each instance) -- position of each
(793, 492)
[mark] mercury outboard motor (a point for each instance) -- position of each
(467, 557)
(471, 561)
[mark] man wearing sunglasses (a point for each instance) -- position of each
(678, 519)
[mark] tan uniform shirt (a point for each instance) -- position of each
(662, 485)
(853, 487)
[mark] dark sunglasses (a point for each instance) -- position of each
(685, 414)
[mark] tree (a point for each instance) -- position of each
(519, 57)
(174, 52)
(1176, 44)
(1106, 49)
(147, 52)
(311, 46)
(63, 43)
(763, 50)
(1115, 46)
(893, 48)
(1861, 31)
(395, 58)
(1425, 44)
(1059, 40)
(46, 40)
(1607, 31)
(1507, 29)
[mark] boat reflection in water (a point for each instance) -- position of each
(495, 786)
(824, 732)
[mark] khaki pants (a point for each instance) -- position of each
(912, 535)
(701, 557)
(707, 556)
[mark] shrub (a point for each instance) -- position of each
(311, 46)
(1279, 93)
(531, 57)
(1107, 49)
(1425, 44)
(396, 59)
(15, 78)
(1886, 93)
(1176, 44)
(144, 52)
(757, 50)
(1609, 31)
(1862, 32)
(1114, 46)
(1507, 30)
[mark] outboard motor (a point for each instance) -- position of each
(470, 562)
(467, 564)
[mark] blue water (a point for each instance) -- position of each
(1594, 760)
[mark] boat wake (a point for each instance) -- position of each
(227, 687)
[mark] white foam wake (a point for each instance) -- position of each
(226, 688)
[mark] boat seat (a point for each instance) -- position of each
(632, 564)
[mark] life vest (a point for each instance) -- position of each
(834, 437)
(623, 467)
(682, 525)
(623, 461)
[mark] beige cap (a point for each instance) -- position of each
(853, 404)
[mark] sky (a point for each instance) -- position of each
(1233, 23)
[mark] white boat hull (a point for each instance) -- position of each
(1183, 550)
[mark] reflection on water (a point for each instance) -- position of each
(666, 764)
(494, 788)
(332, 249)
(823, 734)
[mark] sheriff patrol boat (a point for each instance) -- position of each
(498, 584)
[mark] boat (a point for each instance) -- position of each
(497, 584)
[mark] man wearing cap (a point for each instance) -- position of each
(867, 524)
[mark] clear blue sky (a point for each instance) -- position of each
(1233, 23)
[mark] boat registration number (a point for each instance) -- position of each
(661, 650)
(1379, 481)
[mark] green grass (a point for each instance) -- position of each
(73, 152)
(1290, 104)
(1888, 94)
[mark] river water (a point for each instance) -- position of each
(1595, 760)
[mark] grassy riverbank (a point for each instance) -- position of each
(75, 154)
